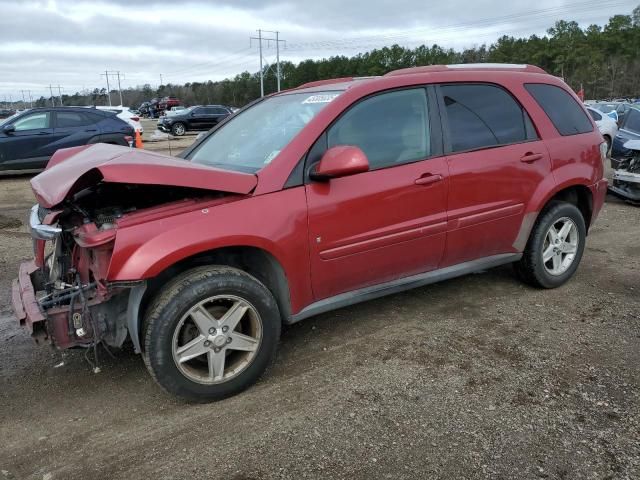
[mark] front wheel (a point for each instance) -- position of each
(555, 247)
(211, 333)
(178, 129)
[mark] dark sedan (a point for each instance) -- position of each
(28, 139)
(199, 118)
(629, 130)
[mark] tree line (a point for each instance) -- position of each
(604, 61)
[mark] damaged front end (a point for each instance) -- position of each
(626, 174)
(85, 197)
(63, 296)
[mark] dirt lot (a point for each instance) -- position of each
(479, 377)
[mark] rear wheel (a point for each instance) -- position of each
(178, 129)
(555, 247)
(607, 139)
(211, 333)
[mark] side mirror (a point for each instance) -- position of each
(9, 128)
(340, 161)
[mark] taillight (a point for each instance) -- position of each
(135, 119)
(604, 152)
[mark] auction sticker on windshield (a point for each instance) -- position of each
(326, 98)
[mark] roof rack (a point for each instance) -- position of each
(319, 83)
(467, 66)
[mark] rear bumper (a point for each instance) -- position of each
(23, 296)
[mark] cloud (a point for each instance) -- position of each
(72, 42)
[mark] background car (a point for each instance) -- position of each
(126, 114)
(6, 112)
(629, 130)
(166, 103)
(616, 110)
(28, 140)
(607, 126)
(198, 118)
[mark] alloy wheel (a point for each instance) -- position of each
(560, 246)
(217, 339)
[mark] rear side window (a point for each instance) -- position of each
(561, 108)
(481, 116)
(73, 119)
(595, 115)
(632, 122)
(390, 128)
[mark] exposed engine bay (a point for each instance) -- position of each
(73, 245)
(626, 174)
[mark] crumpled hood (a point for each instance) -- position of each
(73, 169)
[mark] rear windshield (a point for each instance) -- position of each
(605, 107)
(632, 122)
(563, 110)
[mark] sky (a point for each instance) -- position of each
(71, 43)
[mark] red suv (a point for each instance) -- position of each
(308, 200)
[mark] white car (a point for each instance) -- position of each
(125, 113)
(173, 111)
(607, 125)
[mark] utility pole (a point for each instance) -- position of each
(60, 94)
(161, 80)
(260, 38)
(120, 88)
(106, 75)
(53, 99)
(278, 59)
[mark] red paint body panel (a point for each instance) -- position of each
(488, 194)
(23, 297)
(276, 223)
(346, 233)
(116, 164)
(376, 226)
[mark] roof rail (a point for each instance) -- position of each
(319, 83)
(466, 66)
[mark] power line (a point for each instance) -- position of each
(543, 13)
(211, 63)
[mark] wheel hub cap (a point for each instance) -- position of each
(217, 339)
(560, 246)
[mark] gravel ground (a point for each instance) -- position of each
(478, 377)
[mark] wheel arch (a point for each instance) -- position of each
(577, 194)
(253, 260)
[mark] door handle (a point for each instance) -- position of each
(428, 179)
(91, 130)
(531, 157)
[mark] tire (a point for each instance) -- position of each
(607, 139)
(183, 371)
(178, 129)
(532, 268)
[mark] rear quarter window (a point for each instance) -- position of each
(561, 108)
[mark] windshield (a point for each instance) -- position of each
(8, 120)
(254, 137)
